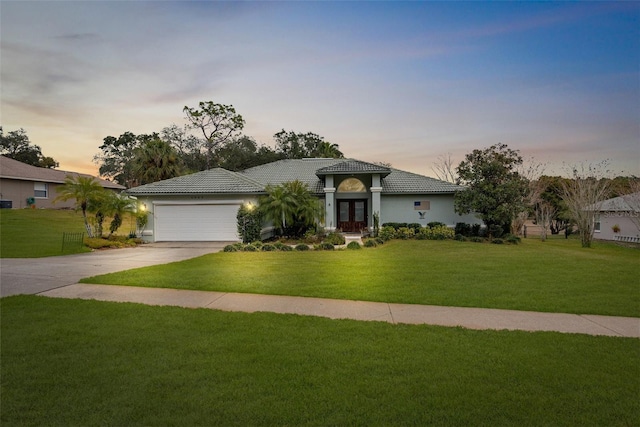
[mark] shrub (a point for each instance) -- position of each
(302, 247)
(387, 233)
(395, 225)
(497, 241)
(285, 248)
(268, 248)
(334, 239)
(249, 220)
(476, 239)
(238, 246)
(460, 238)
(434, 224)
(100, 243)
(250, 248)
(496, 231)
(440, 232)
(354, 245)
(311, 236)
(475, 229)
(370, 243)
(405, 233)
(324, 246)
(463, 229)
(510, 238)
(258, 244)
(415, 226)
(278, 245)
(379, 241)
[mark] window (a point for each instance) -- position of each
(40, 190)
(596, 226)
(351, 185)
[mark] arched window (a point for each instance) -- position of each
(352, 185)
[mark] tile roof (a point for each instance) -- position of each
(353, 166)
(212, 181)
(254, 180)
(305, 170)
(626, 203)
(13, 169)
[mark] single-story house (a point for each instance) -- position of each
(20, 181)
(619, 219)
(203, 206)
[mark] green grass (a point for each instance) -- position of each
(73, 362)
(35, 233)
(553, 276)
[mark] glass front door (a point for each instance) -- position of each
(352, 215)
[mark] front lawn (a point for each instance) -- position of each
(74, 362)
(553, 276)
(35, 233)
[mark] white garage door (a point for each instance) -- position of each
(189, 223)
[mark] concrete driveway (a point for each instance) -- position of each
(35, 275)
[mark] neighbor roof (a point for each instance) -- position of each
(308, 171)
(626, 203)
(211, 181)
(13, 169)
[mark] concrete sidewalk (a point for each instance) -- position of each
(472, 318)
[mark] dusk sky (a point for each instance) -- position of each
(396, 82)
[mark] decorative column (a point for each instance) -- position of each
(376, 189)
(329, 204)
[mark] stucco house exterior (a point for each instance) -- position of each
(618, 219)
(19, 181)
(203, 206)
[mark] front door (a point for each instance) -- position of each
(352, 215)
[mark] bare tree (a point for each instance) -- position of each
(531, 171)
(543, 211)
(584, 194)
(444, 168)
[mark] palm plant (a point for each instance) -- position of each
(116, 205)
(85, 190)
(154, 161)
(278, 206)
(290, 204)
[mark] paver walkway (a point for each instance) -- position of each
(472, 318)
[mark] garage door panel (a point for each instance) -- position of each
(196, 222)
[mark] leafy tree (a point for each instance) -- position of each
(300, 145)
(86, 191)
(191, 150)
(243, 153)
(583, 195)
(154, 161)
(115, 161)
(495, 190)
(290, 206)
(217, 122)
(16, 146)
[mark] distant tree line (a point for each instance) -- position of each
(211, 138)
(16, 145)
(504, 194)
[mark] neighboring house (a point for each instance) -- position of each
(203, 206)
(619, 219)
(20, 181)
